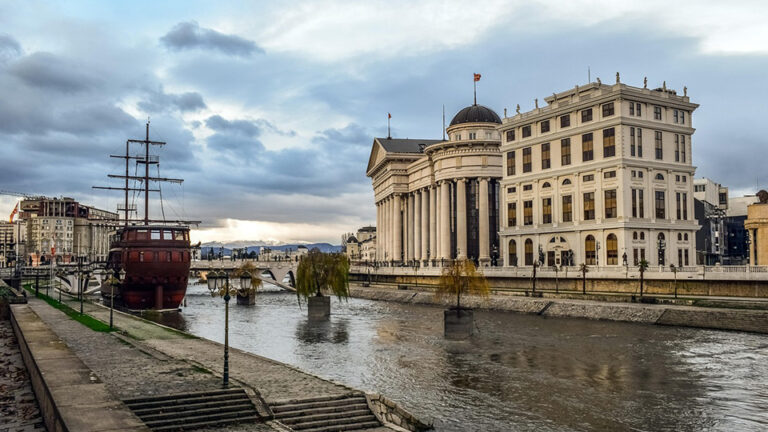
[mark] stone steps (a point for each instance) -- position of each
(194, 410)
(326, 414)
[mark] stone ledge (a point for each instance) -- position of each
(391, 415)
(70, 396)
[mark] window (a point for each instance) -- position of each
(567, 208)
(546, 185)
(642, 236)
(586, 147)
(677, 147)
(657, 113)
(526, 131)
(588, 178)
(638, 111)
(685, 237)
(659, 146)
(675, 116)
(639, 142)
(527, 187)
(723, 198)
(631, 108)
(527, 160)
(586, 115)
(527, 212)
(609, 142)
(660, 205)
(565, 151)
(638, 207)
(681, 198)
(472, 135)
(566, 182)
(589, 248)
(682, 148)
(608, 109)
(511, 214)
(546, 210)
(632, 151)
(565, 120)
(610, 204)
(609, 174)
(545, 161)
(545, 126)
(512, 253)
(660, 177)
(679, 236)
(612, 250)
(589, 206)
(510, 135)
(634, 235)
(458, 137)
(682, 117)
(528, 252)
(511, 163)
(155, 235)
(511, 190)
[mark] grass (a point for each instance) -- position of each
(86, 320)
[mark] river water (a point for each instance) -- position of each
(518, 373)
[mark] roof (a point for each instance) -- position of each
(352, 239)
(405, 145)
(476, 114)
(368, 229)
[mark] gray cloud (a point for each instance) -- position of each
(189, 35)
(242, 127)
(9, 48)
(159, 101)
(45, 70)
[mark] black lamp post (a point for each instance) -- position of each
(119, 277)
(219, 285)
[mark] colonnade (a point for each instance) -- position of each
(417, 226)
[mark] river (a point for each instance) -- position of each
(518, 373)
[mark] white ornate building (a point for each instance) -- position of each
(599, 172)
(436, 199)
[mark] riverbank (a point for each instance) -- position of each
(143, 360)
(659, 314)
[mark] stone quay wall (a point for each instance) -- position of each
(390, 414)
(687, 316)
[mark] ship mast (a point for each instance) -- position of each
(147, 160)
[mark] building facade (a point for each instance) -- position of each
(7, 243)
(601, 175)
(757, 227)
(362, 245)
(710, 206)
(438, 199)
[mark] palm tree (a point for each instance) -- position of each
(318, 272)
(461, 277)
(584, 269)
(642, 267)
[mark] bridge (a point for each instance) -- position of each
(277, 270)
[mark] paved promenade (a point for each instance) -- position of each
(19, 411)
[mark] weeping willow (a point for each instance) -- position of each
(462, 277)
(322, 272)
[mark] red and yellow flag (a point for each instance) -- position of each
(13, 213)
(477, 77)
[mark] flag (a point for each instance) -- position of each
(477, 77)
(389, 116)
(13, 213)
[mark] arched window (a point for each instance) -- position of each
(528, 252)
(546, 185)
(513, 253)
(612, 249)
(590, 256)
(679, 236)
(634, 235)
(659, 177)
(642, 236)
(566, 182)
(685, 236)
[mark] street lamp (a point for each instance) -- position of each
(219, 285)
(119, 277)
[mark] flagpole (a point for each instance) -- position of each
(443, 122)
(389, 135)
(474, 84)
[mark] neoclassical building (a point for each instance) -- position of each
(438, 199)
(602, 172)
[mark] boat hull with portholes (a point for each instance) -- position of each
(156, 261)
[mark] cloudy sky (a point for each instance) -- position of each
(269, 108)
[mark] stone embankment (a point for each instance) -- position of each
(661, 314)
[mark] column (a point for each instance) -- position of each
(417, 226)
(432, 222)
(461, 218)
(411, 228)
(483, 223)
(398, 229)
(378, 230)
(387, 223)
(438, 220)
(445, 221)
(424, 222)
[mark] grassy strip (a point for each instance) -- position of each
(86, 320)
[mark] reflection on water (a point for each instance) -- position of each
(519, 372)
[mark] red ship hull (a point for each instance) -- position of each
(156, 261)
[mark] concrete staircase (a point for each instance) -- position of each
(188, 411)
(326, 414)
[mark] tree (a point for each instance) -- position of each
(255, 280)
(584, 269)
(642, 267)
(318, 272)
(461, 277)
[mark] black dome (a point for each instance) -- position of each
(476, 114)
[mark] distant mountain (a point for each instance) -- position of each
(226, 248)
